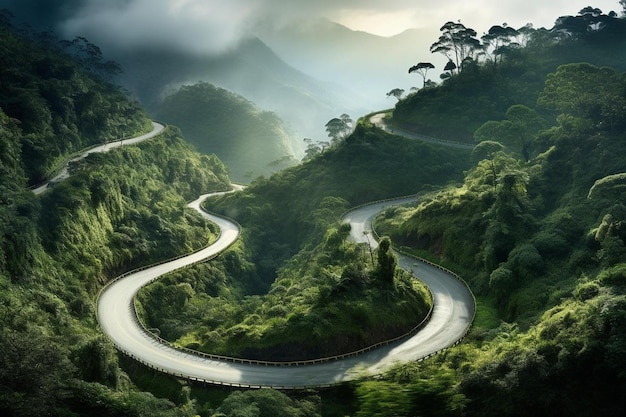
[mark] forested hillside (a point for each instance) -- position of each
(489, 73)
(533, 218)
(58, 93)
(536, 228)
(119, 210)
(251, 142)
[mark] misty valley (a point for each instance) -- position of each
(313, 220)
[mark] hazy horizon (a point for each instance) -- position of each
(197, 32)
(212, 26)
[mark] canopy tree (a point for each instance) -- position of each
(422, 69)
(517, 131)
(396, 92)
(586, 95)
(590, 23)
(457, 43)
(339, 127)
(498, 39)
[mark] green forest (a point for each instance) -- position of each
(251, 142)
(532, 218)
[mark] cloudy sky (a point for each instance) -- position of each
(210, 26)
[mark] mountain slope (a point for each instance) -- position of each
(367, 64)
(60, 104)
(249, 141)
(252, 70)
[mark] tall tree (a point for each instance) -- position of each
(422, 69)
(386, 265)
(339, 127)
(498, 39)
(586, 95)
(449, 70)
(396, 92)
(516, 132)
(457, 43)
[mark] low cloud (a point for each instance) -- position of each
(196, 26)
(213, 26)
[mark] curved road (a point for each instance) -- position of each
(157, 128)
(452, 314)
(378, 120)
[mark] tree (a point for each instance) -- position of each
(90, 57)
(380, 398)
(267, 403)
(586, 95)
(517, 131)
(498, 39)
(448, 70)
(485, 150)
(422, 69)
(396, 92)
(339, 128)
(386, 261)
(457, 43)
(312, 149)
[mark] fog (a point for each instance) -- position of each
(212, 26)
(314, 69)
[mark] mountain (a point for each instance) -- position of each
(119, 210)
(251, 142)
(60, 103)
(252, 70)
(367, 64)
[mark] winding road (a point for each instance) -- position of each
(451, 317)
(378, 120)
(157, 128)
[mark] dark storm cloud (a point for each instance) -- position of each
(41, 14)
(200, 26)
(212, 26)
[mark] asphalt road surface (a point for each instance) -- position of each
(157, 128)
(452, 316)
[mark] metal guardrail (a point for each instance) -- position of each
(447, 271)
(158, 339)
(413, 331)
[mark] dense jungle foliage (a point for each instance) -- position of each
(292, 265)
(505, 67)
(536, 226)
(251, 142)
(58, 91)
(327, 301)
(533, 219)
(119, 210)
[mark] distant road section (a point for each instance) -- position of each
(378, 119)
(157, 128)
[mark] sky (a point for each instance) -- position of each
(213, 26)
(480, 15)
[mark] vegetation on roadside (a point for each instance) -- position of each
(533, 217)
(285, 279)
(58, 92)
(505, 67)
(327, 301)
